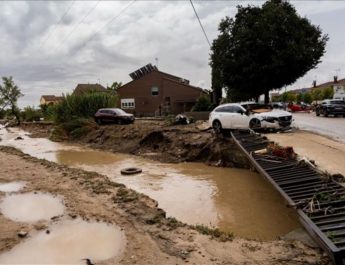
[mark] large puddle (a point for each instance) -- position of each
(234, 200)
(31, 207)
(68, 242)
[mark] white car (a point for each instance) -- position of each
(235, 116)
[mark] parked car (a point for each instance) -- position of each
(235, 116)
(293, 107)
(113, 115)
(331, 107)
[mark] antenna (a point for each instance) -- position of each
(156, 59)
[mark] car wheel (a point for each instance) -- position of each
(119, 122)
(325, 114)
(254, 124)
(99, 121)
(217, 127)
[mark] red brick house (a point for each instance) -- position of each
(155, 93)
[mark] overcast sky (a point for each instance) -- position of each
(51, 46)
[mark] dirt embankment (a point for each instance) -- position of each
(157, 141)
(151, 238)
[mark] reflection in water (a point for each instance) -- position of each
(232, 199)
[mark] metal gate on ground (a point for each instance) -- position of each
(319, 202)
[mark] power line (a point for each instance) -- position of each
(58, 23)
(81, 21)
(203, 30)
(109, 22)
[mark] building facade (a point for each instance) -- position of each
(155, 93)
(49, 99)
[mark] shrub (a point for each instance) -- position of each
(31, 114)
(80, 106)
(203, 104)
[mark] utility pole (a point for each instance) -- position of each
(156, 59)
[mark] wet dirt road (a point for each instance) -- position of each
(328, 154)
(333, 127)
(230, 199)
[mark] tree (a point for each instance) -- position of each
(264, 48)
(203, 104)
(9, 94)
(307, 98)
(327, 93)
(288, 97)
(114, 87)
(316, 94)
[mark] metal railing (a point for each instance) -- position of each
(319, 202)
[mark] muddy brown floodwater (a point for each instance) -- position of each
(234, 200)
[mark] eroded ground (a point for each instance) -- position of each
(150, 237)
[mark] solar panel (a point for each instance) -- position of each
(142, 71)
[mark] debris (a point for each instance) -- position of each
(22, 234)
(182, 119)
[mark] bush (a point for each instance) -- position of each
(203, 104)
(31, 114)
(80, 106)
(78, 127)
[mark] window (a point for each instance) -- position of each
(128, 103)
(154, 91)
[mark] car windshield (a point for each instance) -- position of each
(337, 102)
(119, 111)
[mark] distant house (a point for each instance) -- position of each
(49, 99)
(155, 93)
(88, 88)
(335, 82)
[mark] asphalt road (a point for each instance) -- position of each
(333, 127)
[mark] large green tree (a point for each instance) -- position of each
(9, 94)
(264, 48)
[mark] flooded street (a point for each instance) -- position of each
(234, 200)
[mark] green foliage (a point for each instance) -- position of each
(203, 104)
(304, 97)
(327, 93)
(78, 127)
(114, 87)
(214, 232)
(80, 106)
(31, 114)
(9, 94)
(307, 98)
(264, 48)
(316, 94)
(288, 97)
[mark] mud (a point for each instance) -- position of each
(328, 154)
(151, 237)
(156, 140)
(197, 194)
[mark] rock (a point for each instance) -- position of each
(22, 234)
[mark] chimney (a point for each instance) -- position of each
(314, 83)
(335, 78)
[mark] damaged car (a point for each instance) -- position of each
(248, 116)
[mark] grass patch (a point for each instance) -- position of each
(214, 233)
